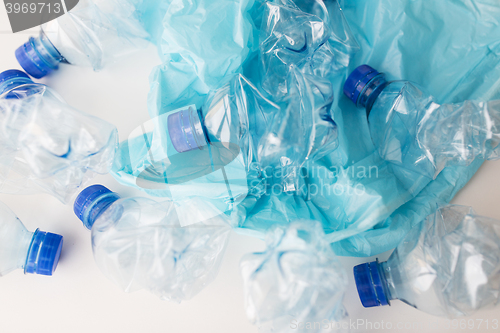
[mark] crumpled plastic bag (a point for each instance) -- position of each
(284, 136)
(364, 215)
(295, 282)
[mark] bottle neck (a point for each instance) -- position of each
(96, 207)
(39, 56)
(371, 91)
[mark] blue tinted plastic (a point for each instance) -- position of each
(448, 265)
(171, 249)
(364, 207)
(47, 146)
(360, 199)
(35, 252)
(297, 279)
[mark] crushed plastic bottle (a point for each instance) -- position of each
(296, 281)
(35, 252)
(230, 146)
(448, 265)
(139, 243)
(93, 33)
(46, 145)
(418, 136)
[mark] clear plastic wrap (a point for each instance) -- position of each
(139, 243)
(295, 282)
(448, 265)
(47, 146)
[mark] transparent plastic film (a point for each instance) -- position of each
(49, 146)
(140, 244)
(297, 279)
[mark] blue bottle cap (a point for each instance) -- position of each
(31, 61)
(357, 80)
(369, 285)
(44, 253)
(11, 74)
(181, 131)
(12, 77)
(91, 202)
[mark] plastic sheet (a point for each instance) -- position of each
(47, 146)
(296, 282)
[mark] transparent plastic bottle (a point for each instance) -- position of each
(415, 134)
(448, 265)
(296, 282)
(45, 144)
(36, 252)
(93, 33)
(139, 243)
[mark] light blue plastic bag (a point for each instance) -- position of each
(447, 47)
(392, 38)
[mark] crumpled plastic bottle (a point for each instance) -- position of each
(448, 265)
(295, 282)
(47, 145)
(418, 136)
(35, 252)
(93, 33)
(170, 250)
(232, 144)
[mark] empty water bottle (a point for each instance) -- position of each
(296, 282)
(231, 145)
(45, 144)
(91, 34)
(448, 265)
(138, 243)
(415, 134)
(36, 252)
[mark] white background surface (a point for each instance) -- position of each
(78, 298)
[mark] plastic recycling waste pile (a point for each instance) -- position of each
(265, 119)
